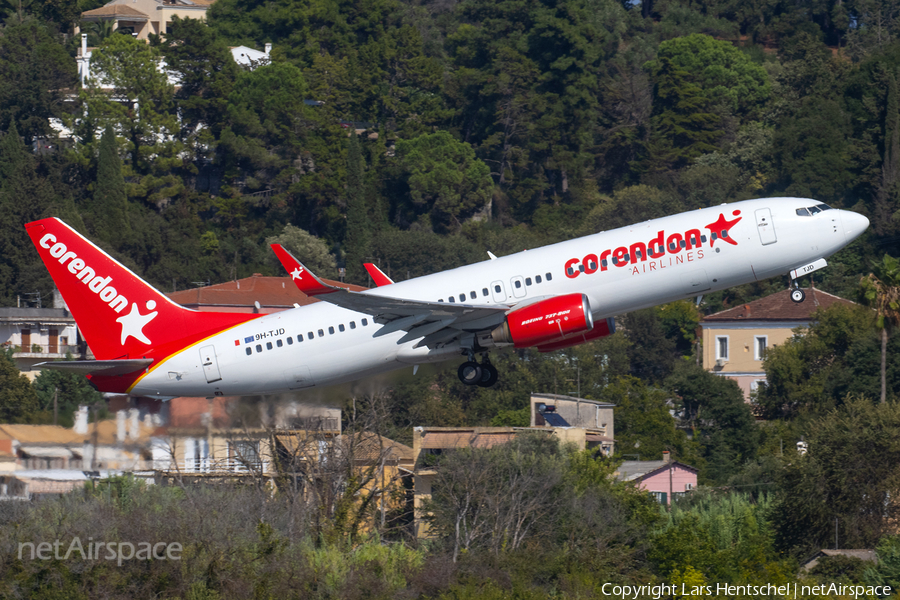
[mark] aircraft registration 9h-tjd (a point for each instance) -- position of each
(548, 298)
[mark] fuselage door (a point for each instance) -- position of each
(210, 364)
(518, 286)
(498, 292)
(765, 226)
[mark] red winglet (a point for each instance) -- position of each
(377, 275)
(302, 277)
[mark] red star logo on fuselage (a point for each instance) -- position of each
(722, 225)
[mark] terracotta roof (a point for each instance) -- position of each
(40, 434)
(54, 434)
(371, 446)
(779, 307)
(272, 293)
(482, 437)
(122, 11)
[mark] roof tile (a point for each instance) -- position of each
(779, 307)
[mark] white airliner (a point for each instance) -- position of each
(549, 298)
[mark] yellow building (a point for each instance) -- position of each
(735, 341)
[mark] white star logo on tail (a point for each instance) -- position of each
(133, 323)
(296, 273)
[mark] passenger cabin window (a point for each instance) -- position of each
(331, 330)
(352, 324)
(452, 299)
(484, 291)
(310, 335)
(321, 333)
(341, 327)
(528, 281)
(462, 297)
(473, 295)
(249, 351)
(365, 322)
(549, 277)
(497, 288)
(290, 341)
(279, 343)
(518, 284)
(259, 347)
(268, 345)
(537, 278)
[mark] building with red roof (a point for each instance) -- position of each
(735, 340)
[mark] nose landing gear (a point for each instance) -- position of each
(483, 375)
(797, 295)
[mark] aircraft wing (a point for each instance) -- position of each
(98, 367)
(436, 323)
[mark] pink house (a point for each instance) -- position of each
(664, 478)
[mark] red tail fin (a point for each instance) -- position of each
(119, 314)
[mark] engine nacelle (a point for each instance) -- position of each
(545, 322)
(601, 329)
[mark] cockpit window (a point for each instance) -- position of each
(812, 210)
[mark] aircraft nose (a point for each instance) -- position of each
(854, 224)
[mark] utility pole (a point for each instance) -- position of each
(55, 410)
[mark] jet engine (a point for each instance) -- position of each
(545, 322)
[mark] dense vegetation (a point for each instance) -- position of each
(384, 127)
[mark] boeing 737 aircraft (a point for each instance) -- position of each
(549, 298)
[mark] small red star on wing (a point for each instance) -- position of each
(720, 225)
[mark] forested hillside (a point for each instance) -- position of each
(484, 125)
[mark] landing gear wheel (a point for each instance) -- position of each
(489, 375)
(798, 295)
(470, 372)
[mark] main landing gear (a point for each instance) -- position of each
(483, 375)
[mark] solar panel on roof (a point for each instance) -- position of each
(555, 420)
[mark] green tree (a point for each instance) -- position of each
(125, 67)
(107, 216)
(357, 243)
(848, 475)
(34, 71)
(724, 74)
(881, 290)
(714, 408)
(446, 181)
(644, 425)
(18, 401)
(71, 390)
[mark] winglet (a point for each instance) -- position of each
(377, 275)
(302, 277)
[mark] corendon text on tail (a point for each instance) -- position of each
(548, 298)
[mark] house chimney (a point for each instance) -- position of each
(83, 45)
(268, 48)
(81, 420)
(134, 424)
(120, 426)
(666, 456)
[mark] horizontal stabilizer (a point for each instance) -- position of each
(106, 368)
